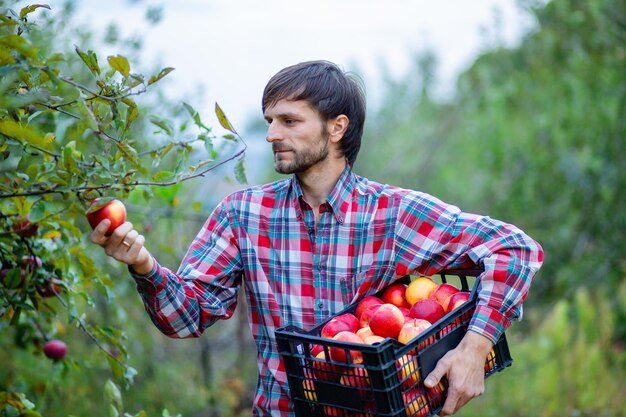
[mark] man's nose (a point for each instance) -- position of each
(273, 132)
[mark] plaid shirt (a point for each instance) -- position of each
(297, 272)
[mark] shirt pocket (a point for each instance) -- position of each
(354, 287)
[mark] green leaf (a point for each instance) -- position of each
(223, 119)
(129, 153)
(114, 395)
(120, 64)
(196, 116)
(24, 134)
(18, 43)
(131, 115)
(160, 75)
(163, 124)
(162, 175)
(134, 80)
(38, 212)
(29, 9)
(240, 172)
(90, 59)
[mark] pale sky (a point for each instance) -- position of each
(230, 48)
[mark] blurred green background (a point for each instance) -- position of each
(534, 135)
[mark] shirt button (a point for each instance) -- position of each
(320, 304)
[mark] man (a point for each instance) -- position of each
(306, 246)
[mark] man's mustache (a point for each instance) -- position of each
(279, 148)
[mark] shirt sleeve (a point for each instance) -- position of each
(205, 287)
(432, 235)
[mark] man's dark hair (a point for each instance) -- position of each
(329, 90)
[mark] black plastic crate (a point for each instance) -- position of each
(389, 381)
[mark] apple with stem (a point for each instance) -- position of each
(106, 208)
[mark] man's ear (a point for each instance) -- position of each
(337, 127)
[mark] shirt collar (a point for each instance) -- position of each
(337, 199)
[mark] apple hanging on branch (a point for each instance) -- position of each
(106, 208)
(55, 349)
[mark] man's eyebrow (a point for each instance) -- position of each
(285, 115)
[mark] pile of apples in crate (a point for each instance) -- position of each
(401, 312)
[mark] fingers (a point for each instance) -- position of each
(465, 377)
(98, 234)
(436, 374)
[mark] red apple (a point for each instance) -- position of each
(106, 208)
(50, 288)
(364, 332)
(427, 309)
(405, 312)
(55, 349)
(24, 228)
(367, 301)
(338, 354)
(351, 320)
(334, 326)
(370, 340)
(366, 316)
(387, 321)
(442, 292)
(416, 403)
(355, 377)
(331, 411)
(395, 294)
(456, 300)
(315, 349)
(408, 371)
(411, 329)
(322, 369)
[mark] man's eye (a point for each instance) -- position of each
(289, 121)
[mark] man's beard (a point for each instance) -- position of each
(304, 159)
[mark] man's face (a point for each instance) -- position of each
(297, 134)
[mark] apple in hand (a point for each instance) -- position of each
(106, 208)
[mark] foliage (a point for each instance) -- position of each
(572, 365)
(73, 127)
(535, 136)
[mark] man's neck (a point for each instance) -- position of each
(318, 182)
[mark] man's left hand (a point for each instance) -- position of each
(464, 368)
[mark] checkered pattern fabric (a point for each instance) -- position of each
(296, 272)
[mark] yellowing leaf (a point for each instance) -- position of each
(29, 9)
(120, 64)
(223, 119)
(90, 59)
(52, 234)
(160, 75)
(22, 133)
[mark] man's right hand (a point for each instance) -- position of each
(125, 245)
